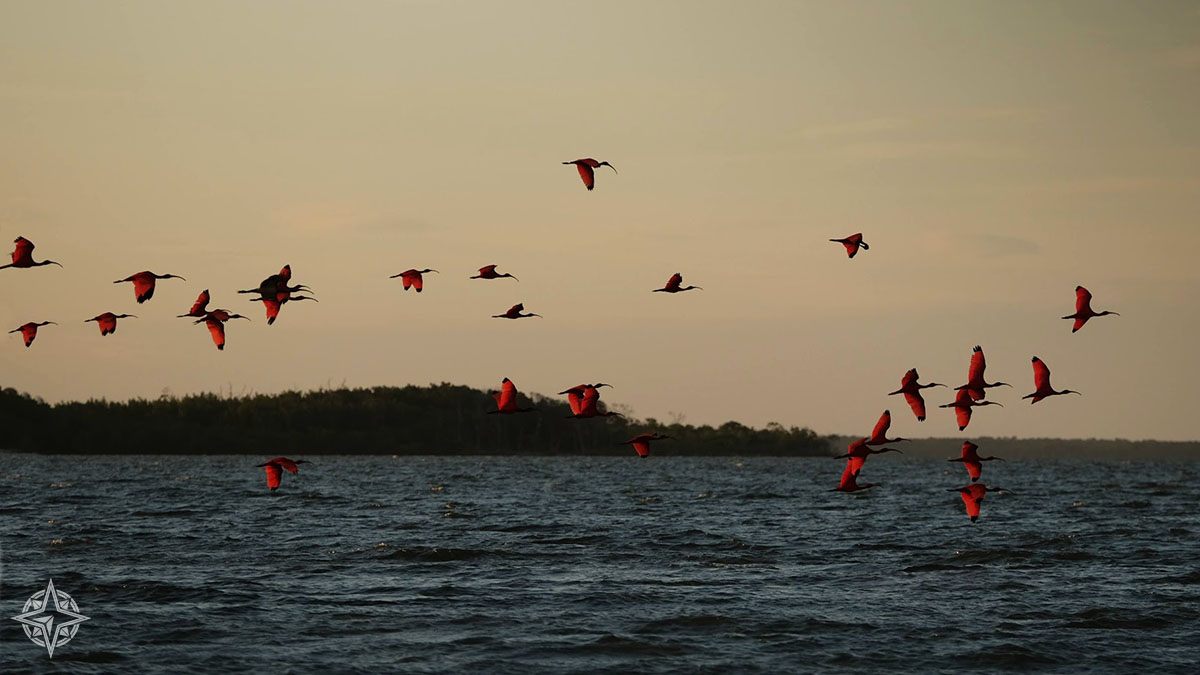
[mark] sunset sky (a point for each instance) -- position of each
(994, 155)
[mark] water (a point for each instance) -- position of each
(618, 565)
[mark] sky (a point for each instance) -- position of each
(994, 155)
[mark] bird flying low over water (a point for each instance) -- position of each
(641, 442)
(1041, 380)
(972, 496)
(108, 321)
(852, 244)
(1083, 309)
(976, 385)
(879, 434)
(912, 392)
(22, 255)
(216, 324)
(858, 452)
(413, 279)
(850, 482)
(514, 312)
(673, 285)
(584, 399)
(962, 407)
(200, 307)
(277, 466)
(506, 400)
(587, 170)
(274, 292)
(489, 272)
(29, 330)
(143, 283)
(971, 460)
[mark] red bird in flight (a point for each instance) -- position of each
(1083, 309)
(514, 312)
(585, 401)
(143, 283)
(108, 321)
(22, 255)
(972, 496)
(971, 460)
(506, 400)
(274, 292)
(489, 272)
(1041, 380)
(641, 442)
(673, 285)
(850, 482)
(277, 466)
(587, 170)
(852, 244)
(28, 331)
(912, 392)
(976, 385)
(962, 407)
(216, 324)
(858, 452)
(413, 279)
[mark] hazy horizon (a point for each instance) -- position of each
(993, 156)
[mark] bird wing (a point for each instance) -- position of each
(29, 332)
(272, 306)
(508, 396)
(591, 397)
(200, 304)
(970, 450)
(974, 469)
(972, 503)
(1078, 324)
(218, 331)
(415, 280)
(23, 251)
(852, 243)
(642, 448)
(107, 322)
(909, 379)
(486, 270)
(1041, 374)
(675, 281)
(273, 475)
(143, 287)
(1083, 300)
(881, 427)
(588, 174)
(963, 415)
(978, 364)
(917, 403)
(575, 400)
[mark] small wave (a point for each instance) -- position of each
(1105, 618)
(612, 644)
(1135, 504)
(421, 554)
(165, 514)
(761, 495)
(1009, 655)
(689, 622)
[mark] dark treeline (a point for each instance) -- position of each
(442, 419)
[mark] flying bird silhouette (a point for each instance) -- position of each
(413, 278)
(29, 330)
(1041, 380)
(216, 324)
(852, 244)
(971, 460)
(673, 285)
(143, 283)
(587, 170)
(22, 255)
(976, 385)
(489, 272)
(1083, 309)
(277, 466)
(972, 496)
(912, 392)
(506, 400)
(108, 321)
(514, 312)
(962, 407)
(641, 442)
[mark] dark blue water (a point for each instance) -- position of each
(667, 565)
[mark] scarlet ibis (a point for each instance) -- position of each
(506, 400)
(587, 170)
(489, 272)
(850, 482)
(589, 403)
(976, 385)
(108, 321)
(971, 459)
(1041, 380)
(413, 278)
(852, 244)
(143, 283)
(912, 392)
(879, 434)
(641, 442)
(972, 496)
(962, 407)
(1083, 309)
(200, 307)
(514, 312)
(274, 292)
(858, 452)
(29, 330)
(216, 324)
(277, 466)
(673, 285)
(22, 255)
(575, 395)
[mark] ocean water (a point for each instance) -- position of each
(601, 565)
